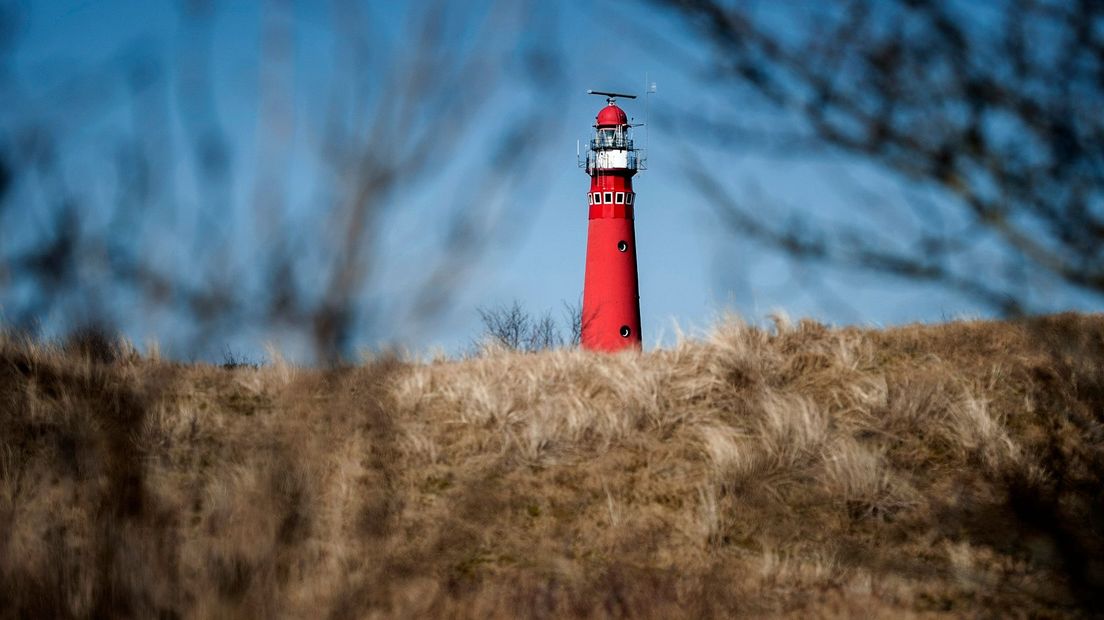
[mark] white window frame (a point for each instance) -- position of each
(597, 198)
(608, 197)
(619, 198)
(590, 198)
(629, 197)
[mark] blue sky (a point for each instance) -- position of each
(690, 268)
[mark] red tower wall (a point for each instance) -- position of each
(611, 294)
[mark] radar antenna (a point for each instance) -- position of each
(610, 97)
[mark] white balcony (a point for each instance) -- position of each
(614, 159)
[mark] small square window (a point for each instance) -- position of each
(629, 198)
(619, 198)
(590, 199)
(609, 198)
(597, 198)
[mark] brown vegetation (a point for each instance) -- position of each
(949, 469)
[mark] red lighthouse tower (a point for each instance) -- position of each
(611, 294)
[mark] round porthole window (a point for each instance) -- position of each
(626, 331)
(622, 246)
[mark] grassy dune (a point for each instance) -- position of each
(927, 470)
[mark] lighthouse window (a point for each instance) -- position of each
(622, 246)
(629, 198)
(626, 331)
(619, 198)
(609, 198)
(590, 198)
(597, 198)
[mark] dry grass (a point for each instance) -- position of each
(952, 469)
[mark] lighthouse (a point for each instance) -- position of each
(611, 293)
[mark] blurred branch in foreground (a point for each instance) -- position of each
(191, 228)
(988, 113)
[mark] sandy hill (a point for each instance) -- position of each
(924, 470)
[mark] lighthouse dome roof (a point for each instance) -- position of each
(612, 115)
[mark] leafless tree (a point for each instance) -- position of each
(544, 334)
(315, 270)
(573, 317)
(988, 113)
(506, 325)
(515, 328)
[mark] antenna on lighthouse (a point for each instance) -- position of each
(649, 89)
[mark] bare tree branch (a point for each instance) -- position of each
(176, 240)
(999, 114)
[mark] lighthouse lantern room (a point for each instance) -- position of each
(611, 295)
